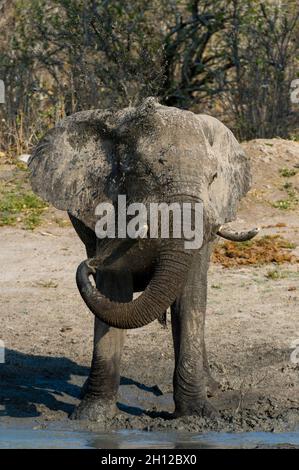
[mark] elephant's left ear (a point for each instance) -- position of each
(240, 174)
(232, 179)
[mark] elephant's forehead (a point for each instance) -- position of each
(177, 137)
(185, 130)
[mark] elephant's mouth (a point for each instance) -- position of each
(111, 252)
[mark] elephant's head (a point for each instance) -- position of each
(152, 153)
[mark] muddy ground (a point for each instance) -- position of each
(252, 323)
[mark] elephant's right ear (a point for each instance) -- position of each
(70, 166)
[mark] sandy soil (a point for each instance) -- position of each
(252, 322)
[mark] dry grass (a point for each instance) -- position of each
(263, 250)
(19, 206)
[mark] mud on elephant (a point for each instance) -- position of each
(150, 154)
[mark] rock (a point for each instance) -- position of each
(24, 157)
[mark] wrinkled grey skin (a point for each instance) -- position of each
(152, 153)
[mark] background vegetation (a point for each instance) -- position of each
(234, 59)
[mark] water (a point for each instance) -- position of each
(22, 437)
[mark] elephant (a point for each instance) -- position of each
(150, 153)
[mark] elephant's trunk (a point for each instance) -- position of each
(165, 285)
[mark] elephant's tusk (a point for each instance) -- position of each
(237, 236)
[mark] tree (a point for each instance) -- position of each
(195, 58)
(262, 42)
(61, 56)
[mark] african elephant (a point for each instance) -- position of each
(151, 153)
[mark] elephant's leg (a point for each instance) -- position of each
(101, 388)
(188, 316)
(213, 387)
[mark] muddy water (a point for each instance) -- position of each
(57, 437)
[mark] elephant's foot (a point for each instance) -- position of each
(213, 387)
(199, 407)
(92, 408)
